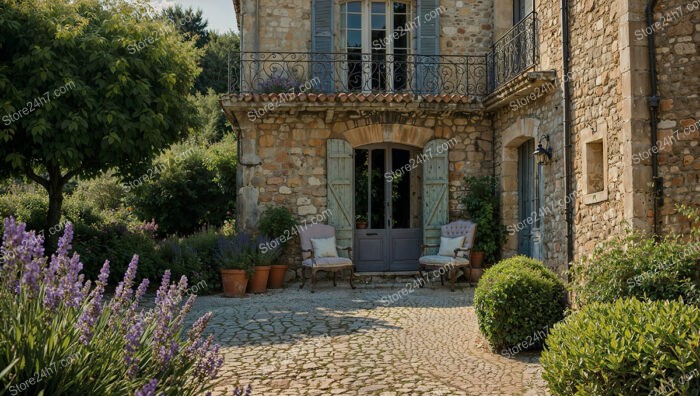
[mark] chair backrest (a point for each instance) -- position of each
(460, 228)
(313, 231)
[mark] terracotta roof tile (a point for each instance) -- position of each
(352, 97)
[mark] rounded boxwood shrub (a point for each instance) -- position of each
(517, 300)
(627, 347)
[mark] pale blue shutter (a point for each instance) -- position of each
(436, 190)
(322, 44)
(340, 171)
(428, 48)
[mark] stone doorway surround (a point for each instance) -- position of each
(520, 131)
(409, 135)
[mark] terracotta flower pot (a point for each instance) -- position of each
(361, 225)
(276, 279)
(234, 282)
(477, 258)
(258, 283)
(475, 274)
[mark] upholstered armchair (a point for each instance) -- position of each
(457, 258)
(328, 263)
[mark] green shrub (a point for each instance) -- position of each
(625, 348)
(635, 266)
(102, 192)
(194, 257)
(181, 193)
(516, 300)
(28, 207)
(482, 204)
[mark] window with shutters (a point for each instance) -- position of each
(376, 38)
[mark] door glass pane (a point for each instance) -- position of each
(354, 6)
(377, 187)
(401, 188)
(361, 185)
(354, 69)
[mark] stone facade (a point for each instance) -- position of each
(282, 155)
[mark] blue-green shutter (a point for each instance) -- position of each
(340, 172)
(428, 48)
(436, 189)
(322, 44)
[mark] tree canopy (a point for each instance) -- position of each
(87, 86)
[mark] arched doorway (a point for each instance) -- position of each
(388, 199)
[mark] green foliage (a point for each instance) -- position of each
(215, 62)
(275, 220)
(482, 206)
(194, 257)
(101, 94)
(625, 348)
(102, 192)
(636, 266)
(211, 121)
(517, 298)
(189, 23)
(27, 207)
(183, 194)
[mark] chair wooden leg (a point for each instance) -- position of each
(352, 273)
(303, 277)
(420, 273)
(453, 279)
(313, 281)
(334, 285)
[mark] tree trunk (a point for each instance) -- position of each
(55, 190)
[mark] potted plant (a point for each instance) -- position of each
(482, 204)
(277, 224)
(235, 258)
(361, 222)
(262, 260)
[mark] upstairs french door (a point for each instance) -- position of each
(376, 37)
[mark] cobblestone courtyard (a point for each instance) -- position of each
(349, 342)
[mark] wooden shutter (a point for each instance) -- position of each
(435, 189)
(322, 44)
(341, 204)
(428, 48)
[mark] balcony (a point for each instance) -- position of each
(473, 76)
(277, 72)
(514, 53)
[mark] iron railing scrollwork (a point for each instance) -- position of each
(515, 52)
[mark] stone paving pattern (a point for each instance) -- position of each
(340, 341)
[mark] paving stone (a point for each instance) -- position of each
(346, 342)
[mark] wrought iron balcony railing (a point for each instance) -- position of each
(470, 75)
(269, 72)
(515, 52)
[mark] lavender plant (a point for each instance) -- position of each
(61, 335)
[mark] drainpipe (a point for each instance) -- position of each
(568, 158)
(658, 182)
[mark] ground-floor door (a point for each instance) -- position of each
(388, 229)
(529, 195)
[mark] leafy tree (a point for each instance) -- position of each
(212, 123)
(87, 86)
(190, 23)
(215, 62)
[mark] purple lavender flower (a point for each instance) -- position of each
(149, 389)
(94, 308)
(123, 293)
(208, 359)
(22, 252)
(133, 339)
(62, 278)
(238, 391)
(199, 326)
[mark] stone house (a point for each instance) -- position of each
(378, 109)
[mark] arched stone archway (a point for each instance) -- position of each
(518, 133)
(410, 135)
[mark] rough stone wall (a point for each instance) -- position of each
(597, 106)
(283, 159)
(678, 65)
(466, 27)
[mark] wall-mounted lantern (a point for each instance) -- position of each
(543, 153)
